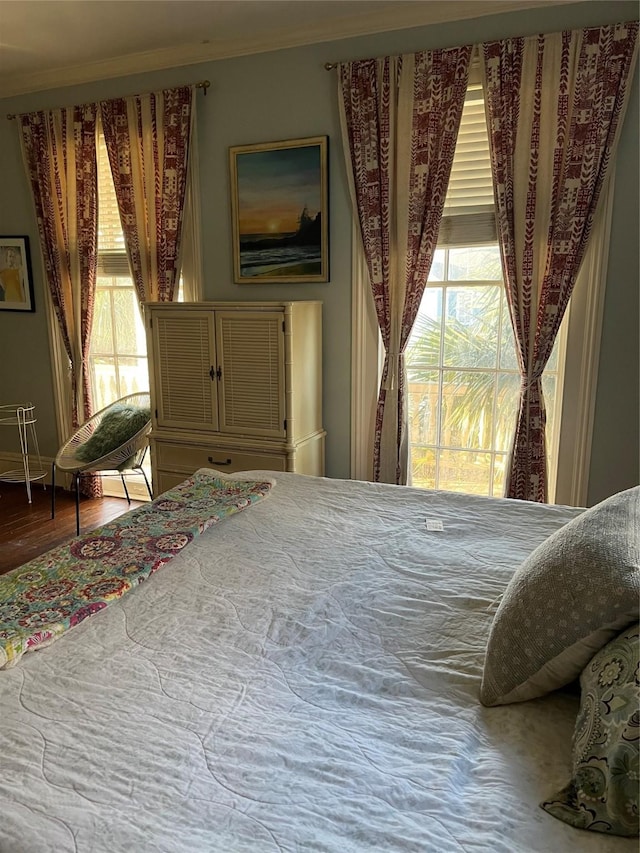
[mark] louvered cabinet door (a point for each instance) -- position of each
(251, 387)
(184, 369)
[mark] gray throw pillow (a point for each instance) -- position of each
(574, 593)
(603, 792)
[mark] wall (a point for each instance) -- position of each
(288, 94)
(616, 432)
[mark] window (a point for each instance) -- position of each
(462, 371)
(463, 379)
(118, 350)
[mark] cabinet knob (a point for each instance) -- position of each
(218, 462)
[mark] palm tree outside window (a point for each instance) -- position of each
(462, 371)
(463, 377)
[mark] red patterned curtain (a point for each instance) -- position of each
(148, 139)
(400, 118)
(59, 150)
(554, 106)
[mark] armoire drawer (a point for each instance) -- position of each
(189, 458)
(166, 480)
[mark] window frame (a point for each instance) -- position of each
(191, 267)
(577, 373)
(497, 371)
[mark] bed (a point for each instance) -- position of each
(302, 677)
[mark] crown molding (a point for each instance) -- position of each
(404, 16)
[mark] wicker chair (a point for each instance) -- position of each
(127, 458)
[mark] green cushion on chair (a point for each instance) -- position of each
(117, 427)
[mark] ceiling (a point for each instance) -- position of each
(50, 43)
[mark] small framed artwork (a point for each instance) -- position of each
(280, 211)
(16, 283)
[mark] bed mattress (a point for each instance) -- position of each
(303, 677)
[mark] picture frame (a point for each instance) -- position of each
(279, 209)
(16, 281)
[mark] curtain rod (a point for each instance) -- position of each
(201, 84)
(329, 66)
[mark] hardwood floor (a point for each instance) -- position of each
(27, 530)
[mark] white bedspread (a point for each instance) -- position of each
(304, 677)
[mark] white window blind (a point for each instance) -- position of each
(469, 214)
(112, 255)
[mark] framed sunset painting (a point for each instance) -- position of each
(279, 211)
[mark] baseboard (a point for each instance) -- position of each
(13, 462)
(112, 485)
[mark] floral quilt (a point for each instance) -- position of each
(42, 599)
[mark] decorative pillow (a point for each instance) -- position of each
(573, 594)
(603, 792)
(117, 426)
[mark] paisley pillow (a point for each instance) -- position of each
(603, 792)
